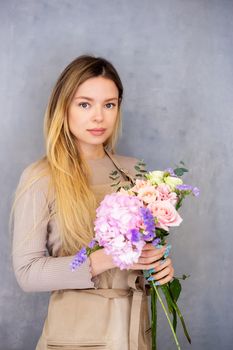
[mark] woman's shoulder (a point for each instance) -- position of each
(36, 175)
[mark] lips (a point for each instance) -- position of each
(97, 132)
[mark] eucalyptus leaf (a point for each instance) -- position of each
(114, 172)
(114, 177)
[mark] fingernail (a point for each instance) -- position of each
(167, 251)
(152, 271)
(158, 246)
(151, 278)
(162, 261)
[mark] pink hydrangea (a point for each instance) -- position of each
(115, 217)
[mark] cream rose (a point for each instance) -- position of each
(173, 181)
(156, 177)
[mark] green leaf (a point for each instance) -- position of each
(174, 314)
(178, 172)
(185, 276)
(168, 297)
(175, 288)
(114, 172)
(114, 177)
(115, 184)
(137, 168)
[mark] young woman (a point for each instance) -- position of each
(98, 306)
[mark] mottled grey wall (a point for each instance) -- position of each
(175, 60)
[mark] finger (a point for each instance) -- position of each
(152, 259)
(150, 246)
(140, 266)
(166, 279)
(152, 252)
(161, 274)
(159, 265)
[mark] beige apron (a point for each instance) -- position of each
(112, 317)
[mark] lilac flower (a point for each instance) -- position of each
(92, 244)
(135, 235)
(156, 241)
(184, 187)
(196, 191)
(170, 171)
(149, 222)
(79, 259)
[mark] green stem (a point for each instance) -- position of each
(165, 311)
(153, 318)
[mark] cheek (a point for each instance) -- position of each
(112, 120)
(75, 122)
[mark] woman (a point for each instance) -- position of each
(98, 306)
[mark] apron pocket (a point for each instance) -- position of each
(78, 346)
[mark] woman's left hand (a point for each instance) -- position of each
(164, 271)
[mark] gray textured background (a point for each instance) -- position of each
(175, 60)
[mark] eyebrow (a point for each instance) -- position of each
(91, 99)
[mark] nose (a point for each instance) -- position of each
(98, 113)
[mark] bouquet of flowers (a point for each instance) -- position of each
(137, 214)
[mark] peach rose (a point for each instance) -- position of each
(145, 191)
(165, 213)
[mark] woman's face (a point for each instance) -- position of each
(94, 106)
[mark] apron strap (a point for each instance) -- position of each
(124, 171)
(138, 291)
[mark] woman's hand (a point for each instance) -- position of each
(150, 258)
(100, 262)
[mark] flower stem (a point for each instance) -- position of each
(153, 318)
(165, 311)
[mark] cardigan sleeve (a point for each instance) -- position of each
(34, 269)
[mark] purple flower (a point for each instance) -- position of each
(184, 187)
(149, 222)
(79, 259)
(156, 241)
(196, 191)
(135, 235)
(170, 171)
(92, 244)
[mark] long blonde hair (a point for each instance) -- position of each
(69, 174)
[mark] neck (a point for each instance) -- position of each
(93, 153)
